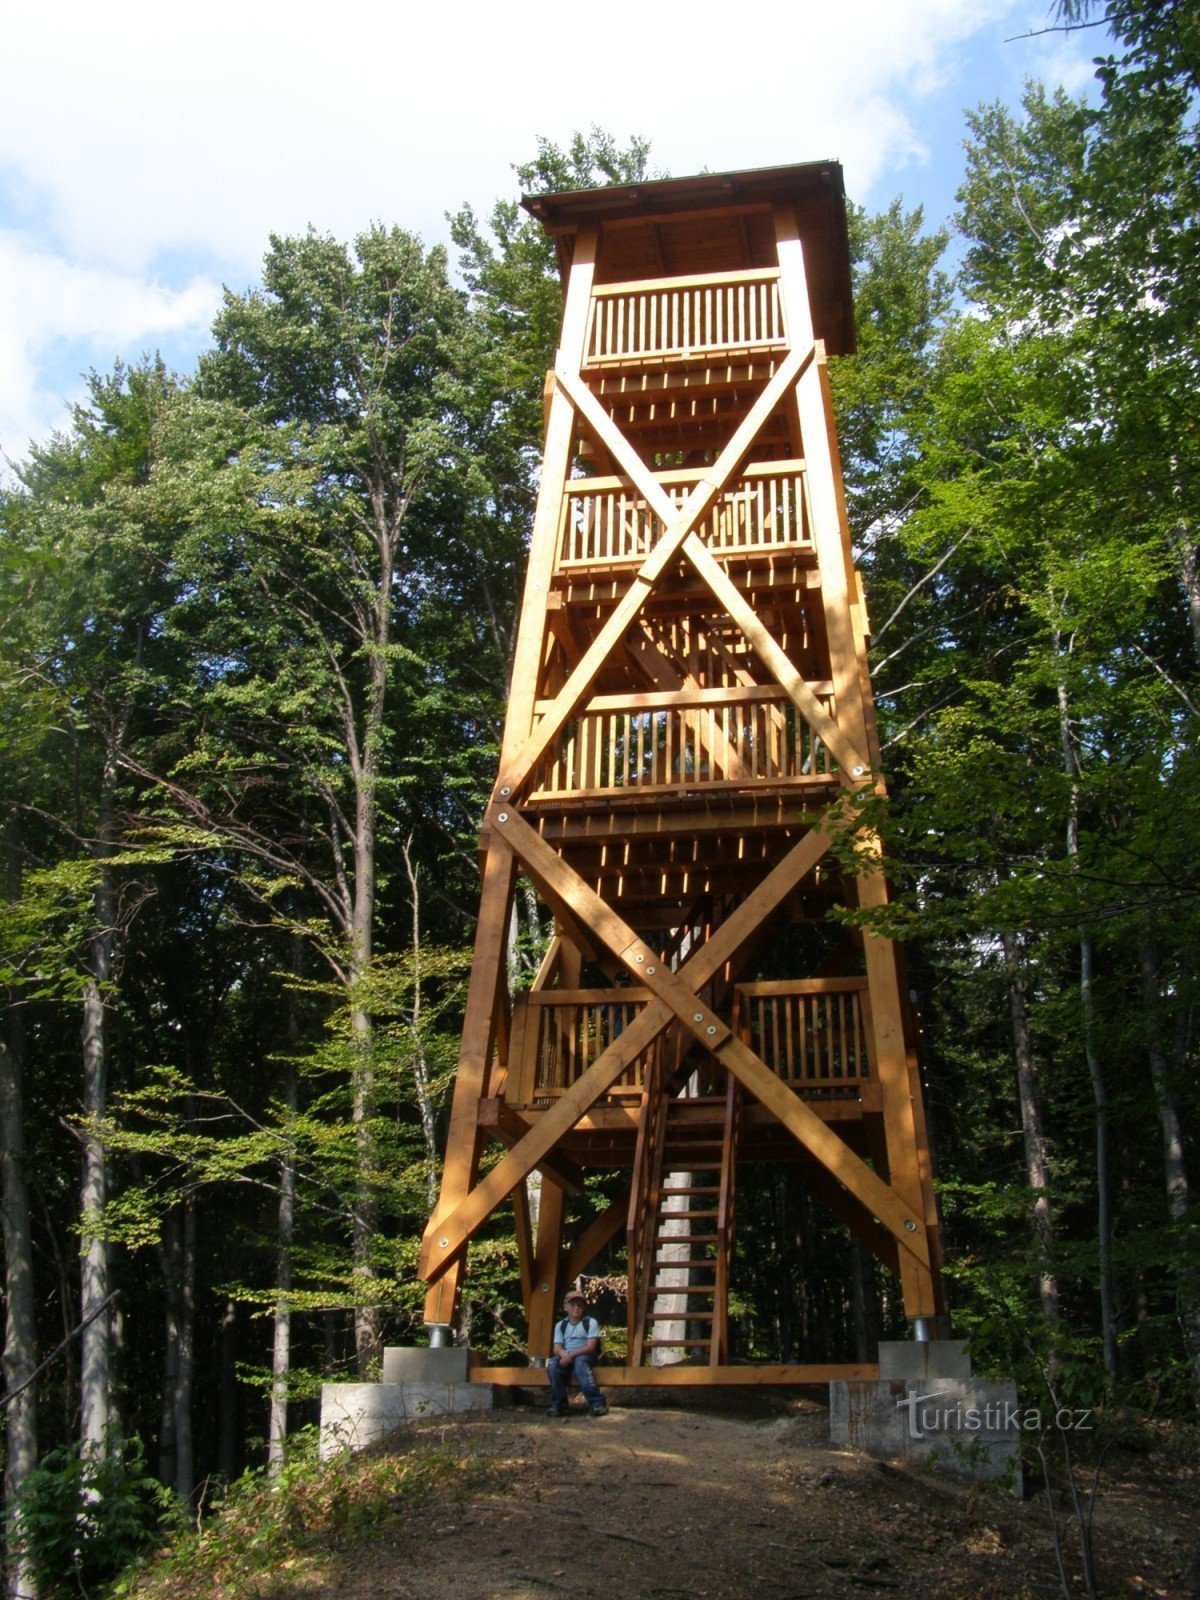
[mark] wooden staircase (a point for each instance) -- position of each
(681, 1159)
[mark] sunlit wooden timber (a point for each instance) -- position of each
(690, 709)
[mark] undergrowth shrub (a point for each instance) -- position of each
(81, 1519)
(317, 1507)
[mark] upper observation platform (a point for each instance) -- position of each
(718, 229)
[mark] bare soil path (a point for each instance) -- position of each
(656, 1503)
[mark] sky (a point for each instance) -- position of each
(148, 150)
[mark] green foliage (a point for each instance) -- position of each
(82, 1519)
(260, 1531)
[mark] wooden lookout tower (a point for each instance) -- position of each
(690, 708)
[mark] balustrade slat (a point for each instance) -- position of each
(613, 525)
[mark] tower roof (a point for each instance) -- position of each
(715, 222)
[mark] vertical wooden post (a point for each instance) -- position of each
(855, 715)
(488, 973)
(542, 1306)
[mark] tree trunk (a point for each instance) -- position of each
(94, 1342)
(185, 1368)
(1032, 1129)
(95, 1375)
(1187, 1289)
(420, 1064)
(1108, 1317)
(1087, 999)
(281, 1359)
(168, 1258)
(1187, 551)
(20, 1324)
(20, 1320)
(368, 1318)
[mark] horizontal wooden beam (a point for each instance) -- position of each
(805, 986)
(686, 475)
(735, 694)
(692, 280)
(744, 814)
(689, 1377)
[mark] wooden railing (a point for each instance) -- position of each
(660, 319)
(604, 522)
(559, 1033)
(811, 1032)
(667, 742)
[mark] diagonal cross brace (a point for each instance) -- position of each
(851, 761)
(679, 523)
(471, 1209)
(676, 996)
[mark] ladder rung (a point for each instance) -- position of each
(686, 1238)
(702, 1262)
(685, 1216)
(676, 1316)
(694, 1189)
(687, 1288)
(678, 1344)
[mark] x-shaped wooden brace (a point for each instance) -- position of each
(676, 997)
(679, 537)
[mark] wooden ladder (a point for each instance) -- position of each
(673, 1146)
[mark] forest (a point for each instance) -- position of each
(255, 630)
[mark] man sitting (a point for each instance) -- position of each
(576, 1344)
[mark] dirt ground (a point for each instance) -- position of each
(657, 1502)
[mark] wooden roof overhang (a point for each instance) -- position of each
(715, 222)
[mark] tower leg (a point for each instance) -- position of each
(543, 1300)
(922, 1293)
(488, 974)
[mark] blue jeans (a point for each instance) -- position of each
(580, 1369)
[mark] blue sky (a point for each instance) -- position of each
(147, 151)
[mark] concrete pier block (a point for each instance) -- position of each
(918, 1359)
(413, 1364)
(971, 1428)
(355, 1415)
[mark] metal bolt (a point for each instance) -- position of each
(909, 1225)
(506, 790)
(545, 1288)
(639, 958)
(710, 1029)
(858, 771)
(443, 1244)
(698, 1016)
(503, 817)
(650, 971)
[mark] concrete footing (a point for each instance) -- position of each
(927, 1407)
(416, 1383)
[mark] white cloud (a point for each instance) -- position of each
(98, 312)
(153, 147)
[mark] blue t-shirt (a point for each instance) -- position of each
(573, 1336)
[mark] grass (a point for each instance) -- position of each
(266, 1543)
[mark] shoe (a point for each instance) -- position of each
(558, 1411)
(600, 1409)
